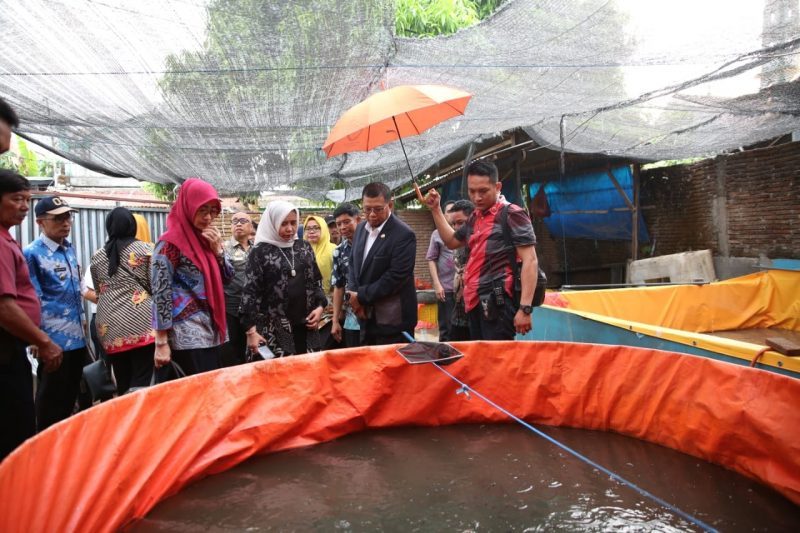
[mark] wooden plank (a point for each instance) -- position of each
(620, 190)
(784, 346)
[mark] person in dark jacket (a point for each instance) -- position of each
(380, 285)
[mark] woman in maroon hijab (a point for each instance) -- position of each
(188, 270)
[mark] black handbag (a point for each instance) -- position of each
(98, 378)
(176, 369)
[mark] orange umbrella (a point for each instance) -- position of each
(393, 114)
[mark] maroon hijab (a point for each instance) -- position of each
(181, 232)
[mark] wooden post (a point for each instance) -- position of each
(518, 182)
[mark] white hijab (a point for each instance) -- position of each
(274, 215)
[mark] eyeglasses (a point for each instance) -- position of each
(312, 228)
(239, 221)
(63, 217)
(376, 210)
(203, 211)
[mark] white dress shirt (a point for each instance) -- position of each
(372, 236)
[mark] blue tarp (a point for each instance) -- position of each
(593, 192)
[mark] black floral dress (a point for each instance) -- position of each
(265, 293)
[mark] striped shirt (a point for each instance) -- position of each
(488, 252)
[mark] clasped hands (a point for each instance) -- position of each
(358, 309)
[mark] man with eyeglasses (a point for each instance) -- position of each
(380, 281)
(237, 248)
(56, 276)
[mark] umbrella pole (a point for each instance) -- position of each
(413, 179)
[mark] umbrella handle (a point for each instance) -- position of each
(419, 193)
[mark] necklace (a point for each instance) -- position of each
(292, 272)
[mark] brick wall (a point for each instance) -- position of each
(758, 191)
(421, 221)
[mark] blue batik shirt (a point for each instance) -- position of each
(341, 264)
(56, 276)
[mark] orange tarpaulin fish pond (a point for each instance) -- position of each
(106, 467)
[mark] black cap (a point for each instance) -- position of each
(51, 205)
(330, 220)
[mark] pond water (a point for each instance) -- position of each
(472, 478)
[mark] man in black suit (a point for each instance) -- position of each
(380, 283)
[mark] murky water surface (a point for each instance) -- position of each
(471, 478)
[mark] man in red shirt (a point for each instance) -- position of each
(489, 300)
(20, 314)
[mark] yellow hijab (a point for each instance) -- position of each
(142, 229)
(323, 250)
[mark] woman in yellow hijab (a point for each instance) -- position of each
(142, 229)
(315, 231)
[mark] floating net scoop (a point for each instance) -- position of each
(417, 352)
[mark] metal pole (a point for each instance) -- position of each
(635, 215)
(397, 129)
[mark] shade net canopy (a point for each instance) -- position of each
(243, 93)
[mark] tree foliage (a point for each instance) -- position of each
(26, 162)
(162, 191)
(430, 18)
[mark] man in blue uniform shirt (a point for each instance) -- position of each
(56, 276)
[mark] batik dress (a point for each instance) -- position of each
(124, 304)
(265, 295)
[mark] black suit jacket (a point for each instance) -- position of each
(385, 280)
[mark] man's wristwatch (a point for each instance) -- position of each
(527, 309)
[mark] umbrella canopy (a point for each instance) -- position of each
(407, 109)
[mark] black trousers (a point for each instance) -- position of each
(133, 368)
(17, 414)
(198, 360)
(351, 338)
(234, 351)
(57, 391)
(498, 326)
(445, 310)
(373, 339)
(459, 333)
(300, 334)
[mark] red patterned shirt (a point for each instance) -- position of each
(488, 252)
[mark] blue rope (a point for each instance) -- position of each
(466, 389)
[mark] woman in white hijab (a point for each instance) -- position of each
(282, 300)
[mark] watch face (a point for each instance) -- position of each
(527, 309)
